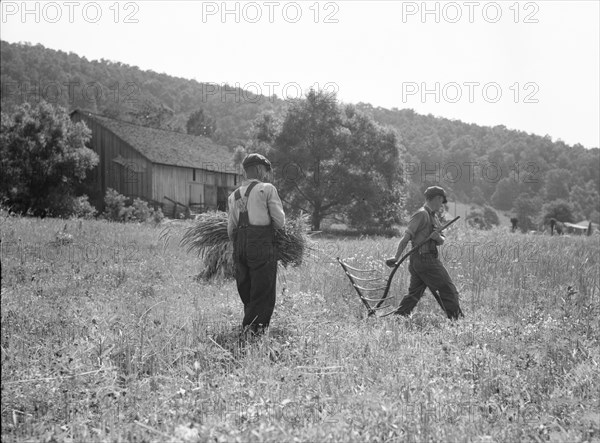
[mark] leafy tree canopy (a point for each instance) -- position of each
(200, 123)
(527, 209)
(335, 161)
(43, 156)
(560, 210)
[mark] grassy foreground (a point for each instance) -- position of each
(107, 336)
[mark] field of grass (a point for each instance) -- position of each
(108, 336)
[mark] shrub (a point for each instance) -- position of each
(157, 216)
(114, 205)
(484, 218)
(490, 216)
(476, 219)
(141, 210)
(126, 214)
(56, 204)
(82, 208)
(117, 209)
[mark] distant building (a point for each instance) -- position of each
(177, 172)
(581, 227)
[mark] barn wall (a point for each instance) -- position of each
(171, 182)
(121, 167)
(200, 190)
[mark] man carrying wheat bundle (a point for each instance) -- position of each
(426, 270)
(254, 212)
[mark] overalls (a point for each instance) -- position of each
(427, 271)
(255, 258)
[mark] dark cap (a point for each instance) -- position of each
(434, 191)
(256, 159)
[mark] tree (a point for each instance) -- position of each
(266, 127)
(239, 154)
(557, 183)
(152, 114)
(413, 198)
(506, 192)
(526, 209)
(376, 151)
(335, 161)
(490, 216)
(43, 156)
(586, 198)
(200, 123)
(476, 220)
(477, 196)
(484, 218)
(560, 210)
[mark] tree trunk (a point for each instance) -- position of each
(316, 220)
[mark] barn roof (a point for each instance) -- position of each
(585, 224)
(169, 147)
(575, 226)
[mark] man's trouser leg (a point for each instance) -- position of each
(242, 279)
(433, 273)
(261, 261)
(259, 309)
(242, 273)
(416, 289)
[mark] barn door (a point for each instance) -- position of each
(210, 196)
(222, 194)
(196, 194)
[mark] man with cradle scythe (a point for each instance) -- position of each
(426, 270)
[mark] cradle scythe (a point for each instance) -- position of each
(353, 278)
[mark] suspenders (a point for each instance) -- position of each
(244, 220)
(258, 241)
(238, 194)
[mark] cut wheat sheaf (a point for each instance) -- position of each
(208, 238)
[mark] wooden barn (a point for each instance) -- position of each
(178, 172)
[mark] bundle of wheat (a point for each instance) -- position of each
(208, 238)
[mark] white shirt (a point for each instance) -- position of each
(264, 206)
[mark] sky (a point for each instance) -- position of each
(530, 66)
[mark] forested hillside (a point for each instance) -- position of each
(509, 170)
(114, 89)
(495, 164)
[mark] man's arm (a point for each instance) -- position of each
(401, 246)
(231, 219)
(414, 225)
(275, 208)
